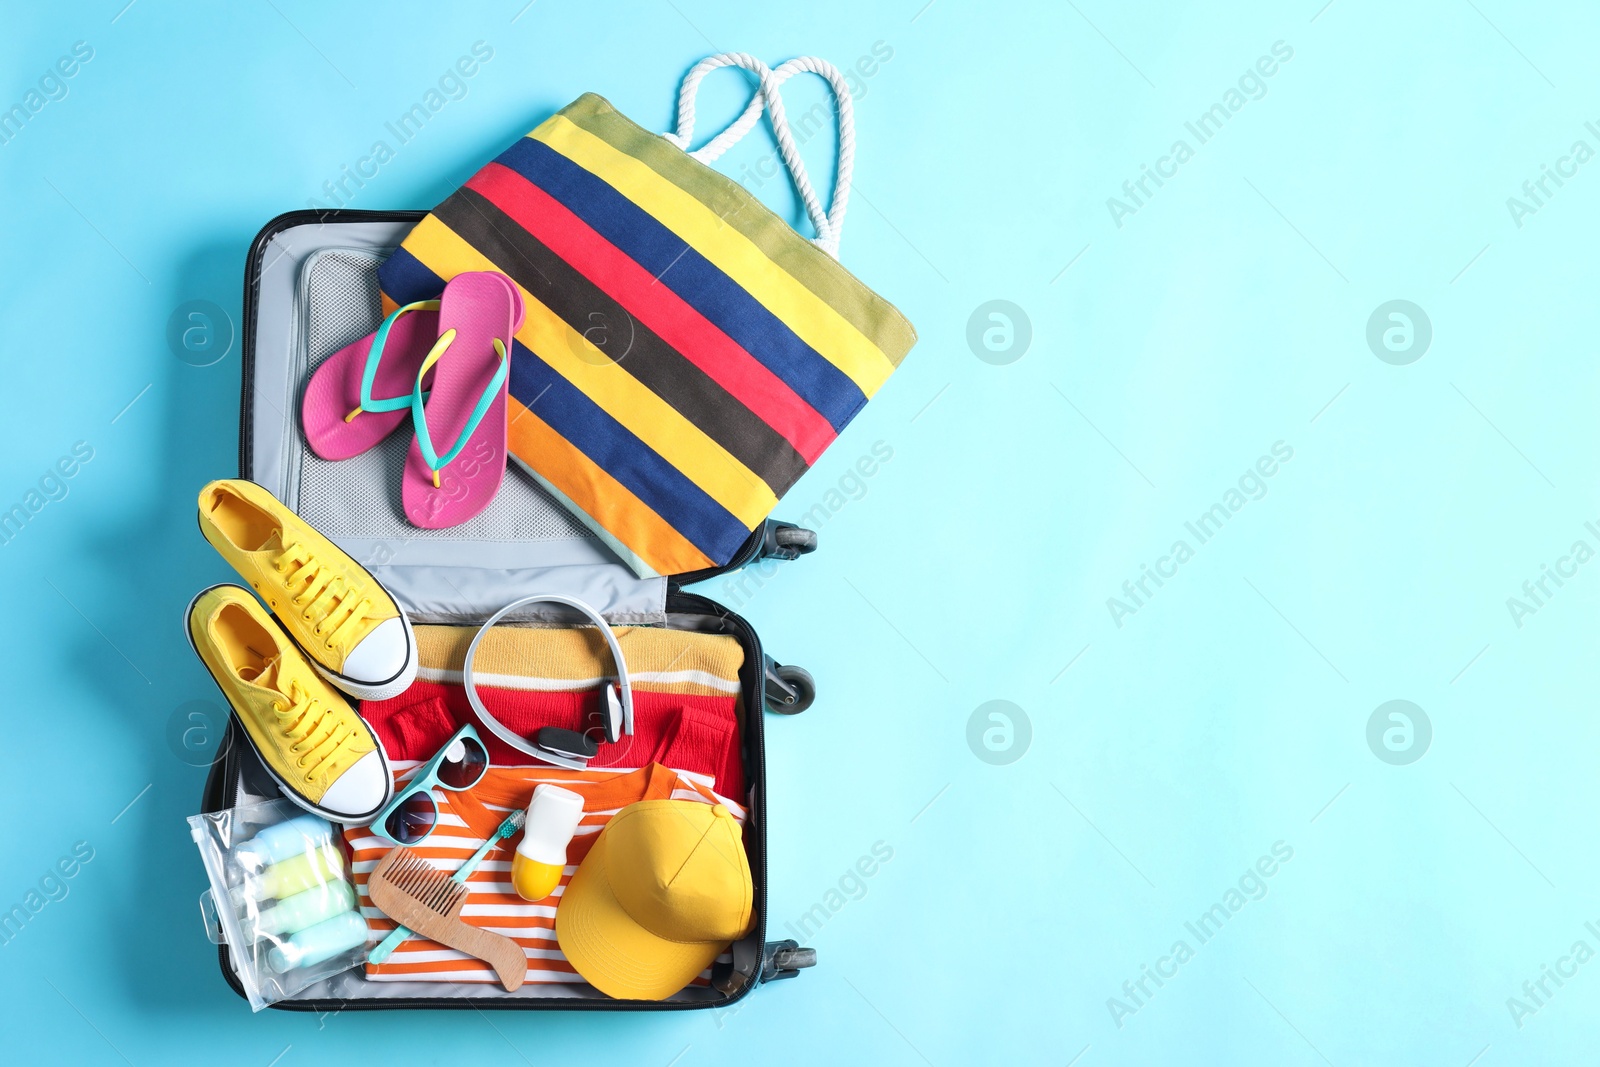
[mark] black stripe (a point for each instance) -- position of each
(623, 339)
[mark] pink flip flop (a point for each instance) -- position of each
(341, 416)
(479, 313)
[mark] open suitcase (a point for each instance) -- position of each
(311, 288)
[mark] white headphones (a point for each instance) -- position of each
(616, 709)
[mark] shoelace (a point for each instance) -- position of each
(302, 722)
(326, 595)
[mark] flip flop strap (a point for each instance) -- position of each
(369, 374)
(419, 419)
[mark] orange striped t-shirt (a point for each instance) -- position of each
(466, 820)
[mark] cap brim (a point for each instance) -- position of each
(612, 952)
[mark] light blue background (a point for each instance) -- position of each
(1166, 754)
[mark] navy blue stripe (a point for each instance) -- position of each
(682, 504)
(404, 278)
(693, 277)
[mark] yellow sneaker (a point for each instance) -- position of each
(347, 625)
(321, 752)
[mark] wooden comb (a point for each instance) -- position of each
(410, 892)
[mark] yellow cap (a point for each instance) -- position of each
(660, 895)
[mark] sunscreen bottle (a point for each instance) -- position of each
(307, 908)
(553, 817)
(326, 939)
(282, 840)
(294, 875)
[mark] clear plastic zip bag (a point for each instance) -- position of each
(281, 898)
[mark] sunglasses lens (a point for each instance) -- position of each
(463, 772)
(412, 820)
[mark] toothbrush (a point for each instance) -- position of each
(399, 934)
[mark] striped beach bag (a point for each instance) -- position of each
(686, 354)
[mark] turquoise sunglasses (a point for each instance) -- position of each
(413, 813)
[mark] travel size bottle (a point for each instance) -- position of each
(327, 939)
(296, 874)
(305, 909)
(282, 840)
(553, 817)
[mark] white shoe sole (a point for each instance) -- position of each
(341, 817)
(371, 690)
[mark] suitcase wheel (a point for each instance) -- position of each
(785, 540)
(785, 959)
(790, 690)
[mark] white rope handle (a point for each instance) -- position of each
(830, 223)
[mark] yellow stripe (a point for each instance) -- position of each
(812, 319)
(579, 654)
(657, 423)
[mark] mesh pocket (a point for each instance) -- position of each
(360, 497)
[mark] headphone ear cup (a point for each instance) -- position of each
(611, 712)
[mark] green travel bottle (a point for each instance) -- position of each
(307, 908)
(308, 870)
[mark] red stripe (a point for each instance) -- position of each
(657, 307)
